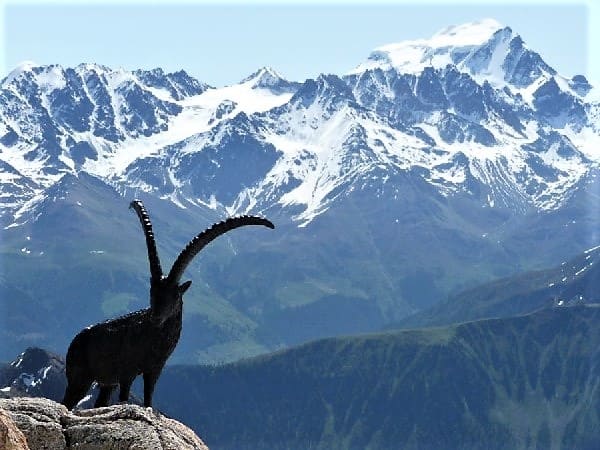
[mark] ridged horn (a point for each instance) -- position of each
(208, 235)
(155, 269)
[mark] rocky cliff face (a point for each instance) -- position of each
(48, 425)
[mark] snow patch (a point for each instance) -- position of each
(24, 66)
(44, 372)
(413, 56)
(51, 78)
(590, 250)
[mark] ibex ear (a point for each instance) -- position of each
(184, 287)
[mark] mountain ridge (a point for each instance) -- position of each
(390, 191)
(453, 103)
(498, 383)
(573, 282)
(513, 382)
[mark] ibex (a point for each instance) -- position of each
(118, 350)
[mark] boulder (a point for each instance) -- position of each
(11, 438)
(39, 420)
(49, 425)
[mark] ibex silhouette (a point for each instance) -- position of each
(118, 350)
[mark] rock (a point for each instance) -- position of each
(49, 425)
(39, 420)
(11, 438)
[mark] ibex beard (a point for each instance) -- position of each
(115, 352)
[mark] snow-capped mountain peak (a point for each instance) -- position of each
(470, 109)
(485, 50)
(389, 187)
(445, 47)
(269, 79)
(263, 77)
(21, 68)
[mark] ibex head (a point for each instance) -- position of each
(166, 293)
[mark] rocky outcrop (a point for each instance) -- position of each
(50, 426)
(11, 438)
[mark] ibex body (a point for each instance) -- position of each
(117, 351)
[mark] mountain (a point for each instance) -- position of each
(268, 78)
(39, 373)
(54, 120)
(432, 167)
(35, 373)
(573, 282)
(522, 382)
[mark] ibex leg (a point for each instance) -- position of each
(104, 396)
(76, 390)
(149, 382)
(125, 386)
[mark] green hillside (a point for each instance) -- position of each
(523, 382)
(574, 281)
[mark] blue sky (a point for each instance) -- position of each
(221, 43)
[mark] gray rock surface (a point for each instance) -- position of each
(50, 426)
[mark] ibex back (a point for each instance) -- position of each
(118, 350)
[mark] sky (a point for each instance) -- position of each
(222, 43)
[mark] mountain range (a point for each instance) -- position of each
(433, 166)
(573, 282)
(520, 382)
